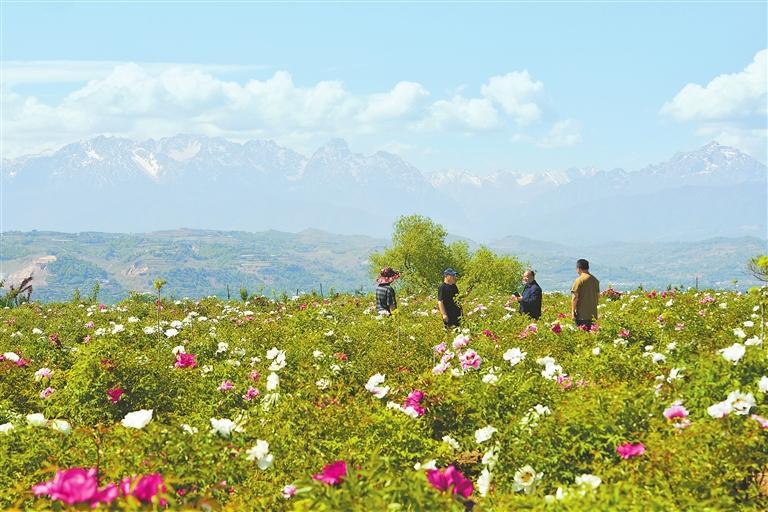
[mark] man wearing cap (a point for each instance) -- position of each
(586, 293)
(385, 294)
(446, 299)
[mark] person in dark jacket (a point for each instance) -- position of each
(386, 302)
(530, 300)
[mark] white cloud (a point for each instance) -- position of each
(516, 93)
(139, 101)
(401, 100)
(733, 96)
(462, 113)
(731, 108)
(562, 134)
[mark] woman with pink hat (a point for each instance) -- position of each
(385, 294)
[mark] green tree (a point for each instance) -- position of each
(488, 272)
(758, 265)
(419, 252)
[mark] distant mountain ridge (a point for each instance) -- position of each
(115, 184)
(198, 263)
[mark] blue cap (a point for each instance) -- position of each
(450, 272)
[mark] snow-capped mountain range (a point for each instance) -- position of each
(119, 185)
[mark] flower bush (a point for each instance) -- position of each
(320, 404)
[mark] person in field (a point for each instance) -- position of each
(530, 300)
(446, 299)
(386, 301)
(585, 295)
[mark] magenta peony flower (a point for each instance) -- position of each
(629, 450)
(149, 486)
(115, 394)
(444, 479)
(74, 485)
(333, 473)
(413, 401)
(556, 328)
(185, 360)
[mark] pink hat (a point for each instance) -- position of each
(387, 275)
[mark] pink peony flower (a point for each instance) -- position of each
(47, 392)
(444, 479)
(442, 347)
(115, 394)
(470, 359)
(762, 421)
(564, 381)
(251, 394)
(333, 473)
(226, 385)
(675, 411)
(489, 333)
(185, 360)
(440, 368)
(289, 491)
(624, 333)
(254, 375)
(89, 325)
(629, 450)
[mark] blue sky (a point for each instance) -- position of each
(481, 87)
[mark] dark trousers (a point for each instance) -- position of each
(451, 323)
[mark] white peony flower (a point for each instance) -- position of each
(260, 453)
(322, 384)
(36, 420)
(224, 427)
(525, 479)
(6, 428)
(451, 442)
(62, 426)
(733, 353)
(189, 429)
(484, 482)
(373, 386)
(739, 332)
(137, 419)
(170, 333)
(11, 356)
(589, 481)
(740, 402)
(431, 464)
(720, 409)
(222, 347)
(484, 434)
(273, 382)
(514, 356)
(762, 384)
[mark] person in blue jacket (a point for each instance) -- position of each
(530, 300)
